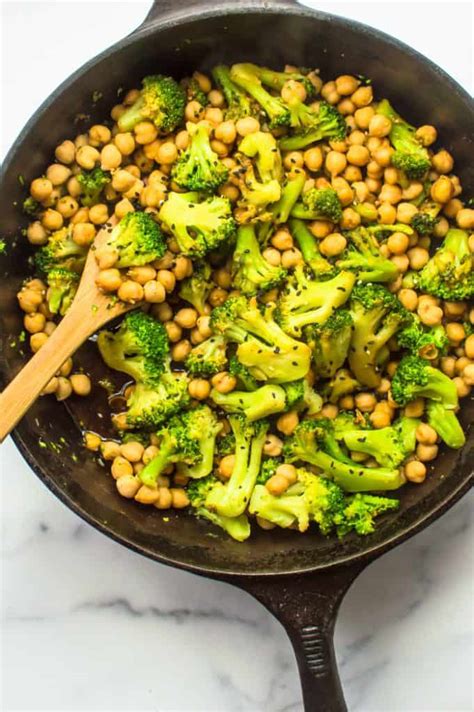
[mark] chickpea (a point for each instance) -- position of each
(199, 388)
(154, 292)
(52, 220)
(186, 318)
(109, 280)
(461, 364)
(143, 274)
(128, 485)
(468, 374)
(363, 117)
(426, 453)
(335, 162)
(37, 341)
(379, 126)
(469, 346)
(330, 93)
(426, 435)
(229, 191)
(182, 267)
(350, 219)
(347, 403)
(165, 498)
(282, 239)
(179, 498)
(363, 96)
(87, 157)
(64, 389)
(415, 471)
(465, 219)
(29, 300)
(132, 451)
(398, 243)
(125, 143)
(287, 422)
(148, 495)
(352, 174)
(430, 315)
(130, 292)
(67, 206)
(272, 256)
(455, 332)
(193, 111)
(99, 214)
(415, 409)
(408, 298)
(203, 326)
(149, 454)
(167, 153)
(92, 441)
(291, 258)
(110, 449)
(333, 245)
(34, 322)
(462, 388)
(358, 155)
(288, 472)
(224, 382)
(442, 162)
(145, 132)
(81, 384)
(123, 207)
(380, 419)
(226, 132)
(365, 402)
(41, 189)
(346, 107)
(448, 365)
(374, 185)
(320, 228)
(174, 331)
(313, 158)
(277, 484)
(441, 227)
(247, 125)
(217, 297)
(180, 351)
(361, 191)
(343, 190)
(418, 257)
(293, 159)
(216, 98)
(226, 466)
(442, 190)
(110, 157)
(36, 233)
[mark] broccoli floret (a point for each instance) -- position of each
(92, 185)
(162, 100)
(330, 342)
(150, 406)
(198, 490)
(409, 156)
(136, 240)
(306, 301)
(267, 470)
(231, 499)
(390, 446)
(415, 378)
(62, 288)
(246, 76)
(208, 357)
(61, 251)
(262, 146)
(446, 424)
(359, 512)
(363, 257)
(139, 347)
(266, 400)
(202, 425)
(199, 168)
(251, 272)
(198, 226)
(426, 219)
(31, 207)
(194, 91)
(260, 185)
(301, 397)
(196, 289)
(277, 80)
(307, 243)
(377, 315)
(226, 444)
(449, 274)
(245, 380)
(181, 440)
(421, 341)
(342, 384)
(257, 196)
(327, 123)
(319, 204)
(238, 103)
(263, 348)
(313, 441)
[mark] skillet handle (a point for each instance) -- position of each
(307, 607)
(164, 8)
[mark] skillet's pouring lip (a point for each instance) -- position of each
(148, 28)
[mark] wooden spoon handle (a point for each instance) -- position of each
(28, 384)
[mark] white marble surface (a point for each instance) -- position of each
(89, 626)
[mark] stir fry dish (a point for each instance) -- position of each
(298, 260)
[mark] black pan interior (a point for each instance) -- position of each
(337, 46)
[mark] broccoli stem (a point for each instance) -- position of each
(308, 247)
(150, 473)
(354, 478)
(237, 527)
(132, 116)
(446, 424)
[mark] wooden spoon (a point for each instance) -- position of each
(89, 311)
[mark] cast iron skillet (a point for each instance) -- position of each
(300, 579)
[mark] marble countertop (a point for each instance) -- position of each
(88, 626)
